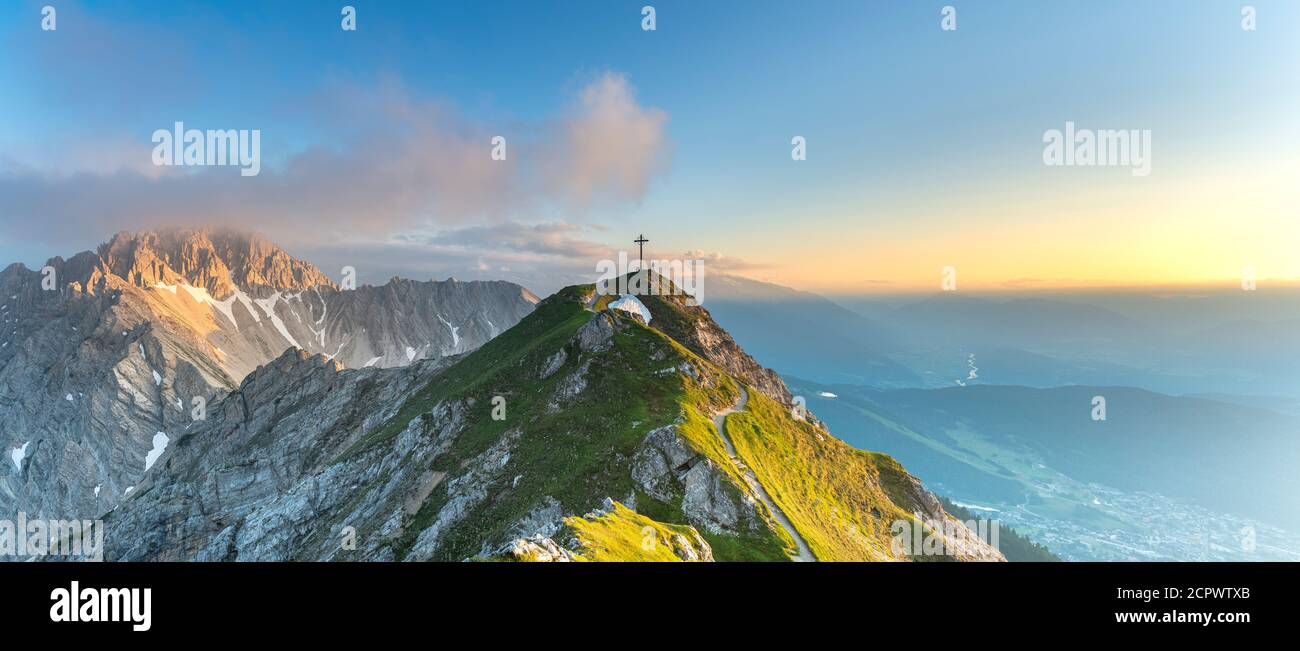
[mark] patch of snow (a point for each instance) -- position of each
(323, 307)
(201, 295)
(97, 487)
(18, 454)
(157, 379)
(336, 352)
(827, 394)
(632, 304)
(248, 304)
(373, 361)
(455, 338)
(162, 285)
(128, 491)
(68, 397)
(319, 335)
(159, 444)
(268, 306)
(410, 353)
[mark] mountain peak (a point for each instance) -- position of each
(218, 260)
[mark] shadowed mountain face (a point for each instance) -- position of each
(106, 357)
(581, 433)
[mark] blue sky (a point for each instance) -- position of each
(923, 145)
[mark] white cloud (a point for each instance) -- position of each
(392, 163)
(611, 145)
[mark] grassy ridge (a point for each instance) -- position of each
(837, 497)
(840, 499)
(578, 453)
(553, 322)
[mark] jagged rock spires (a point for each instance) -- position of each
(219, 261)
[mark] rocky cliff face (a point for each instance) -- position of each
(109, 357)
(694, 327)
(250, 300)
(580, 433)
(218, 261)
(88, 382)
(262, 479)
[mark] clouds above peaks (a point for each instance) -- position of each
(521, 241)
(542, 257)
(370, 161)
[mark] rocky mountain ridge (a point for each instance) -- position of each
(219, 261)
(581, 433)
(106, 357)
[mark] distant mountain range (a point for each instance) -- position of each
(1244, 344)
(108, 356)
(803, 334)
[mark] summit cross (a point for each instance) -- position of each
(640, 242)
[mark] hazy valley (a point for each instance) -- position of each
(991, 399)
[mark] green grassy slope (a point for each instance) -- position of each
(578, 454)
(625, 535)
(841, 499)
(581, 451)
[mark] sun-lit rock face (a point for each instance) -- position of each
(220, 261)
